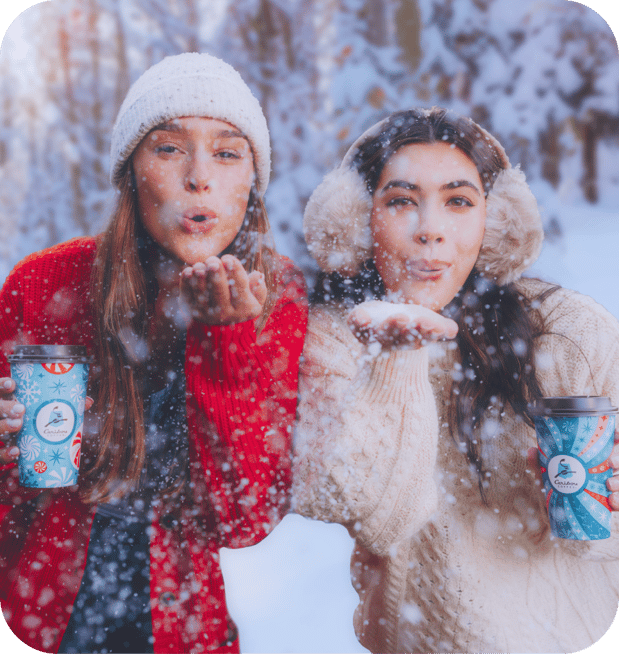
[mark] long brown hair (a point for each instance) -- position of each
(123, 291)
(497, 326)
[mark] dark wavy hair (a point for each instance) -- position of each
(497, 325)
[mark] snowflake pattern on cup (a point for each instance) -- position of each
(573, 454)
(27, 393)
(60, 391)
(78, 393)
(24, 370)
(60, 477)
(29, 447)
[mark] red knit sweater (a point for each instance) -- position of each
(241, 401)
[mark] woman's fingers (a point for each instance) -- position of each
(399, 328)
(217, 285)
(11, 411)
(219, 291)
(11, 420)
(258, 287)
(613, 482)
(247, 292)
(8, 455)
(237, 282)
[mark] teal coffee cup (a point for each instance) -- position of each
(575, 436)
(51, 383)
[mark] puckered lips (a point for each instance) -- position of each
(198, 220)
(425, 270)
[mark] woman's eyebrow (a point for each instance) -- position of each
(175, 127)
(230, 133)
(168, 127)
(400, 183)
(458, 183)
(410, 186)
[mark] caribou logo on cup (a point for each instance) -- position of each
(51, 384)
(575, 438)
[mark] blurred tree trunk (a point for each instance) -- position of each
(374, 16)
(550, 152)
(71, 119)
(193, 22)
(122, 65)
(96, 127)
(408, 29)
(6, 109)
(589, 180)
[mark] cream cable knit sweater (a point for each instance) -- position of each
(436, 570)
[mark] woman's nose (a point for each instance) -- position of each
(198, 175)
(430, 228)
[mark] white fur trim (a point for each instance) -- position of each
(514, 234)
(336, 222)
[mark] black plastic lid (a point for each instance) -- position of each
(45, 353)
(576, 405)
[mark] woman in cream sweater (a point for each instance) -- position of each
(424, 348)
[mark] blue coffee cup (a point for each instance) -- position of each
(51, 383)
(575, 437)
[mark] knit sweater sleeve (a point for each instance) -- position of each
(241, 402)
(366, 439)
(579, 355)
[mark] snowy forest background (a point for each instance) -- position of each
(543, 76)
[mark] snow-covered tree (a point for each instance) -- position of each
(542, 75)
(570, 89)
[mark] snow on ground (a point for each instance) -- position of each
(584, 257)
(292, 592)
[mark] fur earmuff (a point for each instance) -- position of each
(336, 222)
(514, 233)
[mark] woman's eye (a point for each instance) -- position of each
(400, 201)
(227, 154)
(460, 202)
(166, 148)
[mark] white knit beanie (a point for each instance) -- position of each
(336, 222)
(190, 84)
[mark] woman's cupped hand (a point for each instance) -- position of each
(219, 291)
(391, 324)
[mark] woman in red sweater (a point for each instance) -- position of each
(196, 326)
